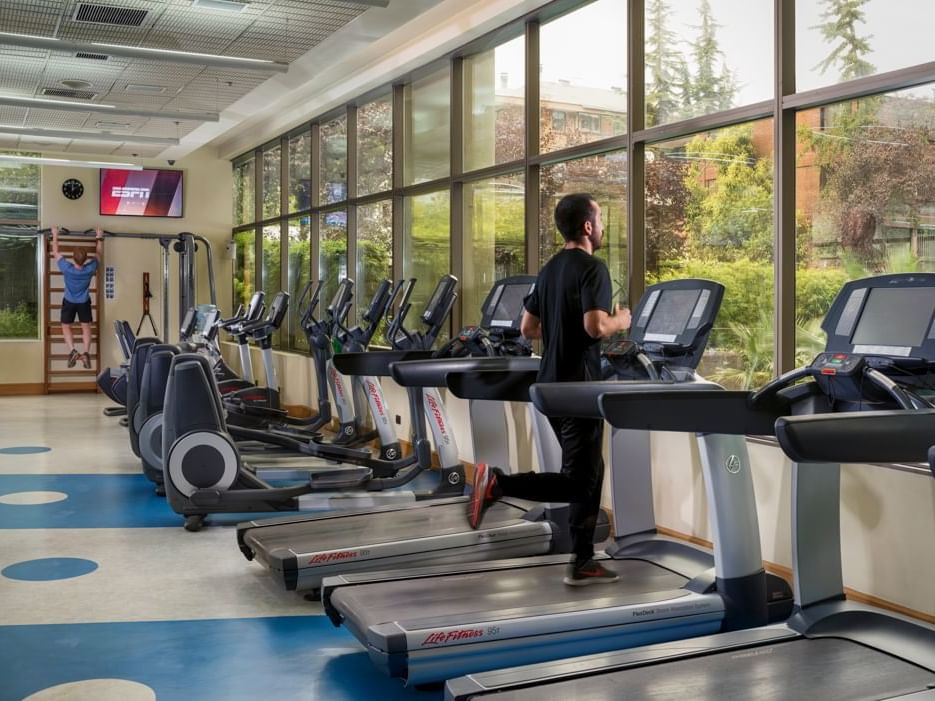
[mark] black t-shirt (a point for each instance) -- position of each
(571, 283)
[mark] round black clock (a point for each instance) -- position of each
(72, 189)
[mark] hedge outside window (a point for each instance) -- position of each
(272, 177)
(19, 286)
(333, 139)
(332, 254)
(298, 275)
(374, 254)
(865, 199)
(300, 173)
(272, 269)
(375, 146)
(244, 266)
(244, 193)
(709, 214)
(426, 247)
(494, 239)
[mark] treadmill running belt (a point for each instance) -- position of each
(374, 528)
(825, 669)
(520, 591)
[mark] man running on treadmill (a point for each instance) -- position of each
(569, 309)
(78, 273)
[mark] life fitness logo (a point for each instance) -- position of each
(130, 193)
(439, 418)
(374, 392)
(449, 636)
(336, 381)
(337, 556)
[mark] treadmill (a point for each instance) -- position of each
(864, 401)
(432, 623)
(299, 551)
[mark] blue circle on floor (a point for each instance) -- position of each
(48, 569)
(24, 450)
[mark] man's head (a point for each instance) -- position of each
(578, 216)
(80, 256)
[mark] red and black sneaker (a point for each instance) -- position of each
(590, 572)
(483, 494)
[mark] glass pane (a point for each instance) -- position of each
(494, 105)
(709, 214)
(300, 173)
(865, 199)
(244, 194)
(375, 146)
(494, 238)
(583, 94)
(299, 271)
(272, 174)
(426, 247)
(374, 253)
(272, 273)
(19, 286)
(19, 193)
(333, 136)
(838, 40)
(703, 56)
(332, 253)
(428, 128)
(605, 178)
(244, 266)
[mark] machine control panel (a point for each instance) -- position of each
(838, 363)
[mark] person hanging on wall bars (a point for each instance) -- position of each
(78, 273)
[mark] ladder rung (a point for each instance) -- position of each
(72, 372)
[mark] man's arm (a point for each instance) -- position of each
(55, 252)
(530, 325)
(99, 238)
(600, 324)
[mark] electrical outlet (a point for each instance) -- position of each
(399, 420)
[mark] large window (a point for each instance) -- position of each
(494, 239)
(426, 246)
(244, 192)
(374, 252)
(709, 203)
(494, 106)
(300, 171)
(244, 266)
(333, 138)
(865, 199)
(19, 286)
(375, 146)
(428, 128)
(272, 178)
(591, 83)
(272, 267)
(298, 276)
(332, 253)
(838, 40)
(703, 56)
(604, 177)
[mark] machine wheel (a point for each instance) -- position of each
(193, 524)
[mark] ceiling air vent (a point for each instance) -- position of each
(92, 57)
(110, 14)
(70, 94)
(143, 89)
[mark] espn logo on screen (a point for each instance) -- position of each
(130, 193)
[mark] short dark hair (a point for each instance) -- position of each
(80, 256)
(571, 212)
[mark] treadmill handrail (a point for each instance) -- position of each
(581, 399)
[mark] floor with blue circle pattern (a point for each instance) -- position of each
(103, 595)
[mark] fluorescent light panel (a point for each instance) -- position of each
(225, 5)
(7, 160)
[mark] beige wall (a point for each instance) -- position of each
(207, 210)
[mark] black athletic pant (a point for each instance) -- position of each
(579, 482)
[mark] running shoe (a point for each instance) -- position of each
(590, 572)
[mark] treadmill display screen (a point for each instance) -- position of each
(895, 317)
(509, 309)
(672, 312)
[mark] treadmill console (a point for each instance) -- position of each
(503, 308)
(674, 319)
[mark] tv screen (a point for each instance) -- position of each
(141, 193)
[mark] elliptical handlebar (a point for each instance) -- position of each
(395, 329)
(308, 314)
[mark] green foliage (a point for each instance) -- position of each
(840, 30)
(18, 322)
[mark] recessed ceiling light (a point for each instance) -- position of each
(143, 89)
(10, 160)
(227, 5)
(111, 125)
(76, 84)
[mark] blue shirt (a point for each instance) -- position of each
(77, 280)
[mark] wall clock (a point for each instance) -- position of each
(72, 189)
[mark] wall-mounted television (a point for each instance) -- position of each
(141, 193)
